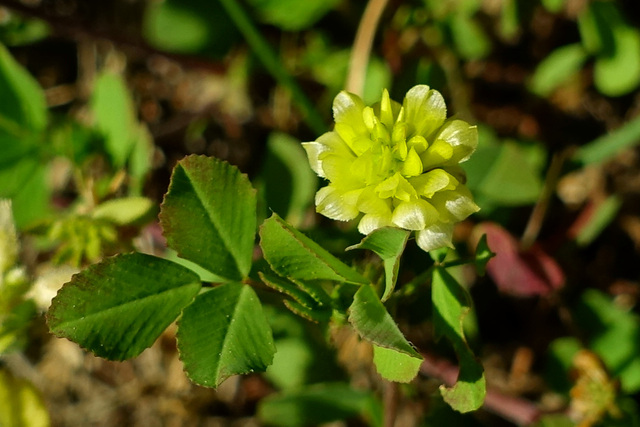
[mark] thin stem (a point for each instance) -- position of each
(542, 204)
(390, 396)
(362, 46)
(272, 63)
(410, 287)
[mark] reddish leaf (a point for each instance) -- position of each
(519, 272)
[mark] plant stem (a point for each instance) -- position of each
(272, 63)
(390, 396)
(534, 224)
(362, 46)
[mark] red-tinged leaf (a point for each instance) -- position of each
(519, 272)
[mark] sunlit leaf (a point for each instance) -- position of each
(25, 183)
(23, 108)
(389, 244)
(114, 116)
(292, 15)
(394, 365)
(450, 305)
(21, 404)
(596, 23)
(604, 214)
(399, 361)
(189, 26)
(557, 68)
(507, 174)
(554, 6)
(605, 147)
(619, 73)
(209, 216)
(118, 308)
(468, 36)
(124, 210)
(224, 332)
(483, 255)
(613, 334)
(292, 254)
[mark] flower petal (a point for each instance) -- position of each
(435, 236)
(369, 203)
(424, 110)
(336, 205)
(314, 149)
(337, 169)
(436, 155)
(414, 215)
(347, 113)
(412, 166)
(335, 143)
(371, 222)
(461, 136)
(433, 181)
(458, 204)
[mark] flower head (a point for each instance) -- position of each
(396, 164)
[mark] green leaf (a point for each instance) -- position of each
(190, 26)
(289, 183)
(619, 73)
(510, 19)
(292, 15)
(293, 255)
(114, 116)
(483, 255)
(118, 308)
(395, 366)
(310, 301)
(469, 38)
(389, 244)
(123, 211)
(506, 174)
(399, 361)
(614, 334)
(557, 68)
(224, 333)
(23, 108)
(18, 30)
(331, 67)
(554, 6)
(320, 404)
(140, 160)
(607, 146)
(555, 420)
(209, 216)
(605, 213)
(450, 305)
(21, 404)
(25, 182)
(560, 361)
(289, 288)
(596, 23)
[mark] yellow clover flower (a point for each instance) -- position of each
(396, 164)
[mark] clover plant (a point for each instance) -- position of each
(397, 164)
